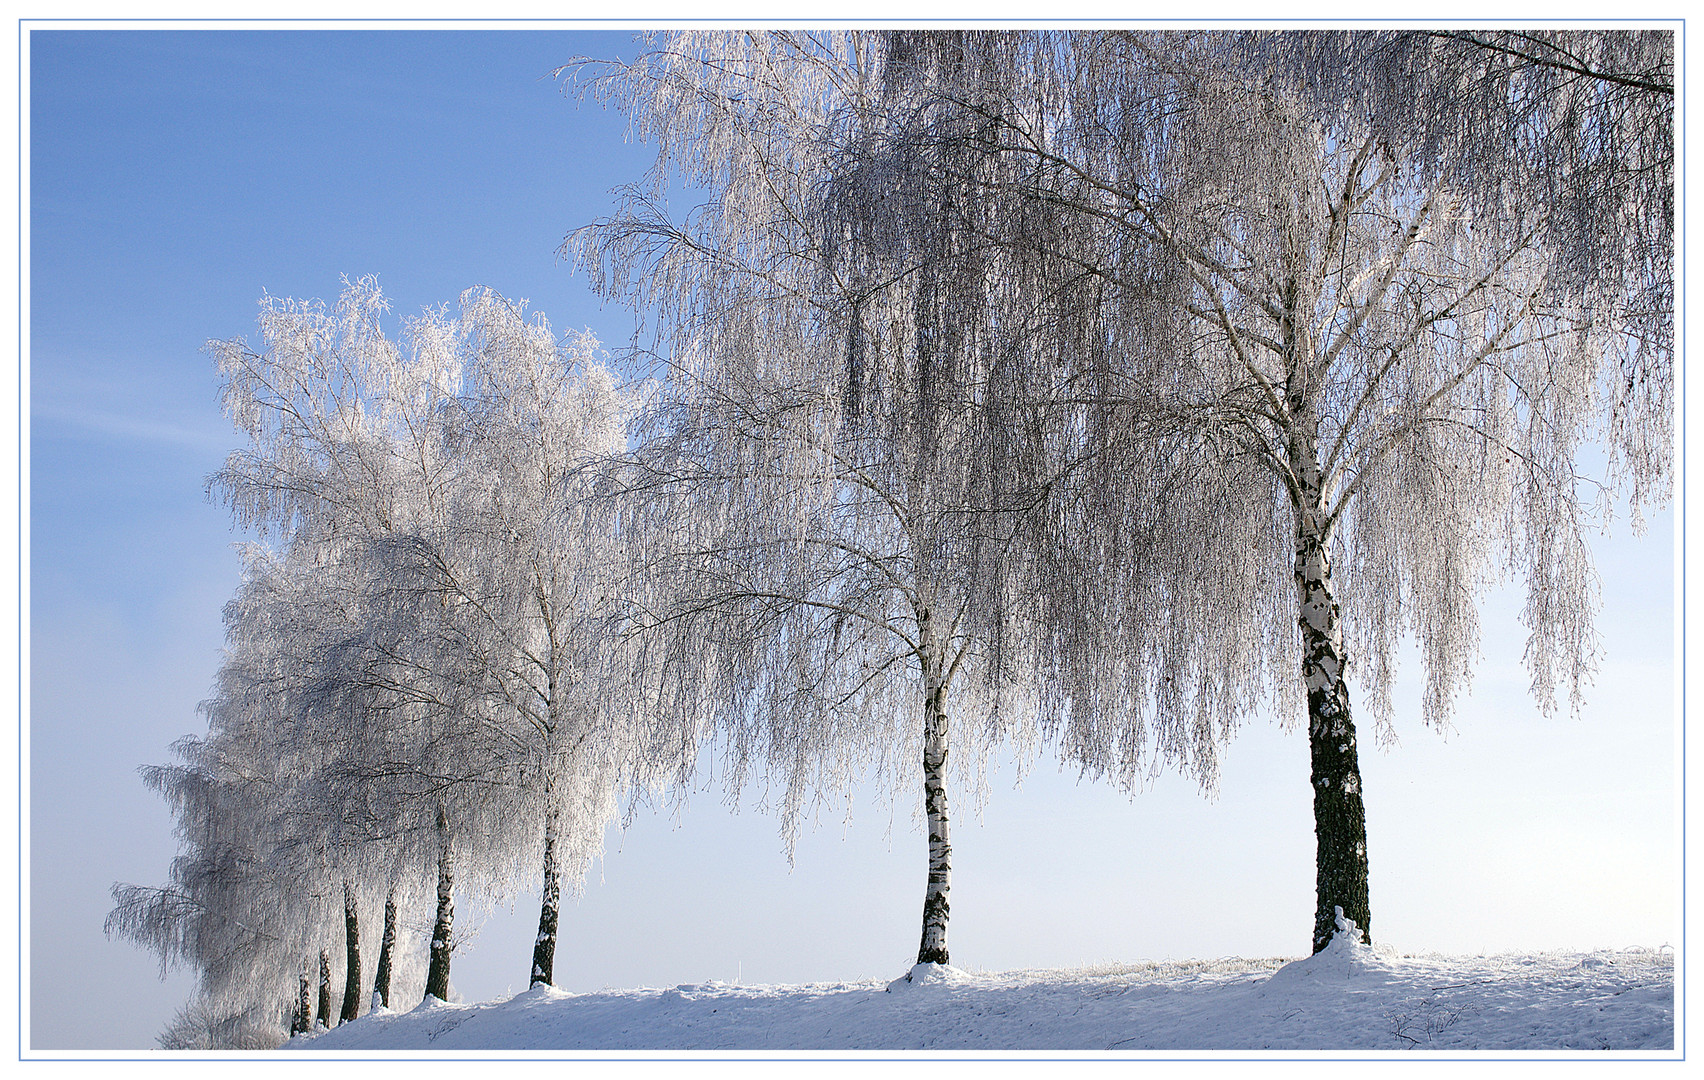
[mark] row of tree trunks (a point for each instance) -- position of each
(1339, 814)
(438, 971)
(303, 1016)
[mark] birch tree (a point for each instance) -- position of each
(795, 552)
(232, 913)
(1294, 387)
(534, 574)
(268, 844)
(337, 688)
(834, 479)
(465, 685)
(346, 446)
(1295, 350)
(1566, 133)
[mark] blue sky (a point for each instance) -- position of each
(176, 177)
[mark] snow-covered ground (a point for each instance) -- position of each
(1348, 997)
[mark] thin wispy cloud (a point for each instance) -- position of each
(113, 425)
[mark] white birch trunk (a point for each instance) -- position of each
(438, 968)
(933, 947)
(352, 957)
(544, 947)
(1340, 819)
(303, 1021)
(323, 1018)
(387, 948)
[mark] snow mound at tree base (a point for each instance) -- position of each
(1347, 959)
(541, 991)
(931, 975)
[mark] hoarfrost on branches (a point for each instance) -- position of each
(1236, 375)
(1305, 365)
(420, 685)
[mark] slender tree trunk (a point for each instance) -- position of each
(1340, 819)
(438, 969)
(933, 948)
(303, 1021)
(352, 957)
(387, 945)
(324, 1017)
(544, 947)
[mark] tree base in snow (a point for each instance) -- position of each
(929, 975)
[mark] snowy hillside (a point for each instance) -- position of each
(1348, 997)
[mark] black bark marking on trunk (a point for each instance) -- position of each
(324, 1016)
(352, 958)
(438, 969)
(303, 1021)
(933, 947)
(387, 944)
(1340, 818)
(544, 947)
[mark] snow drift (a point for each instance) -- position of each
(1347, 997)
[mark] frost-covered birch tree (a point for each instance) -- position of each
(535, 578)
(1295, 386)
(263, 862)
(835, 477)
(796, 606)
(1566, 133)
(422, 657)
(482, 561)
(1327, 394)
(346, 445)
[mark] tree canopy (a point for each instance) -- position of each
(1277, 372)
(1067, 393)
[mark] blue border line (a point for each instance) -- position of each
(1680, 504)
(568, 25)
(22, 614)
